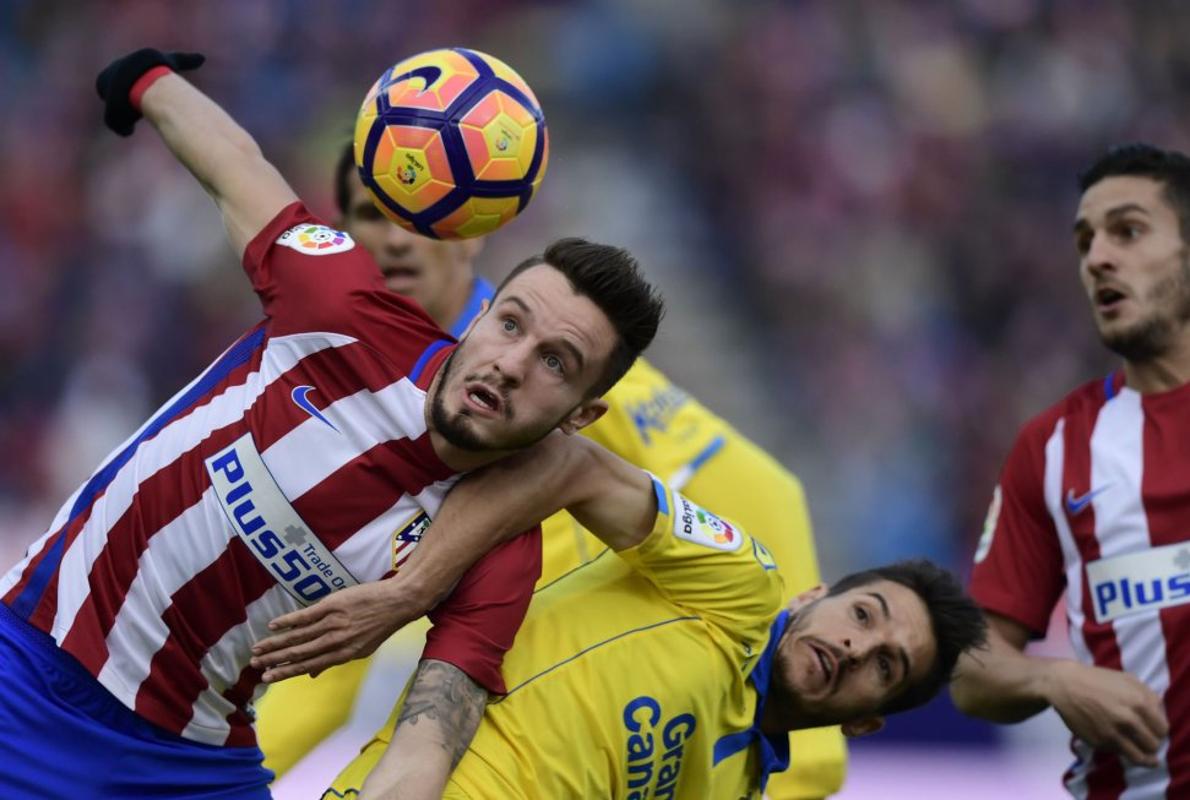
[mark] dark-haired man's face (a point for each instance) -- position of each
(844, 657)
(1134, 266)
(437, 275)
(525, 366)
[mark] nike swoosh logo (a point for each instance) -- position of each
(1076, 505)
(301, 399)
(429, 74)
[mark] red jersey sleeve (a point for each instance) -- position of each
(476, 624)
(311, 277)
(1018, 569)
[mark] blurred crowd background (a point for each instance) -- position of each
(860, 213)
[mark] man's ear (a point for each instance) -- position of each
(583, 416)
(862, 727)
(807, 597)
(483, 309)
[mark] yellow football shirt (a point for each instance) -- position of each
(632, 675)
(659, 427)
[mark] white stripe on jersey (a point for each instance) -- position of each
(73, 572)
(1055, 464)
(432, 497)
(222, 664)
(1117, 466)
(173, 441)
(1121, 526)
(365, 419)
(174, 556)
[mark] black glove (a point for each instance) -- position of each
(115, 83)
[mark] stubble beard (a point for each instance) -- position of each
(454, 430)
(457, 431)
(1151, 338)
(783, 691)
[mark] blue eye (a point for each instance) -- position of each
(509, 325)
(1127, 231)
(553, 363)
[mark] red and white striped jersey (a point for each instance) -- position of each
(298, 463)
(1094, 503)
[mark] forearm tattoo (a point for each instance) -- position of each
(444, 693)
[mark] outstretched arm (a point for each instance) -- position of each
(220, 154)
(1108, 709)
(608, 495)
(205, 139)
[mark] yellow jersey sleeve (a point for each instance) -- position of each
(653, 424)
(709, 565)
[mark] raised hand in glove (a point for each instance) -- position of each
(115, 83)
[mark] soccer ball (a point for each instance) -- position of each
(451, 143)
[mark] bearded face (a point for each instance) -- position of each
(1134, 266)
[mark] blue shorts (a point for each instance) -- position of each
(63, 735)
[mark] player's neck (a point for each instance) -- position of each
(1163, 373)
(778, 708)
(461, 460)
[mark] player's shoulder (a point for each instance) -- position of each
(314, 276)
(300, 230)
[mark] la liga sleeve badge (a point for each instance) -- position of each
(316, 240)
(695, 524)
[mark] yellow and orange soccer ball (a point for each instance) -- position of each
(451, 143)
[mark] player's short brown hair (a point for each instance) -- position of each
(1168, 167)
(611, 278)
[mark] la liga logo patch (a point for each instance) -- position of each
(695, 524)
(316, 240)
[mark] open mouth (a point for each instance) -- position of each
(483, 399)
(1107, 297)
(826, 663)
(399, 271)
